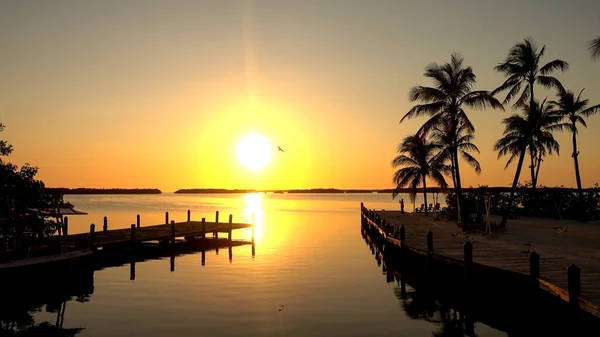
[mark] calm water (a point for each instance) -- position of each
(310, 257)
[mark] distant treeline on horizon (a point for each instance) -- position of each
(312, 190)
(61, 190)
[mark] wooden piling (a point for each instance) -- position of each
(66, 227)
(132, 271)
(203, 228)
(252, 227)
(133, 234)
(138, 221)
(402, 235)
(429, 242)
(92, 236)
(468, 259)
(172, 263)
(166, 218)
(189, 216)
(230, 229)
(217, 217)
(574, 284)
(534, 265)
(172, 231)
(105, 226)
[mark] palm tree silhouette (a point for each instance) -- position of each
(574, 111)
(594, 48)
(546, 121)
(418, 160)
(444, 102)
(521, 132)
(522, 69)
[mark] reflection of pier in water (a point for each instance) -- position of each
(24, 297)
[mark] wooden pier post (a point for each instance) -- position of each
(105, 226)
(172, 263)
(534, 265)
(203, 257)
(253, 227)
(230, 254)
(172, 231)
(66, 227)
(92, 237)
(574, 284)
(402, 235)
(166, 218)
(138, 221)
(216, 233)
(468, 266)
(133, 234)
(429, 242)
(229, 230)
(203, 228)
(132, 271)
(189, 216)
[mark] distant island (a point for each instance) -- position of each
(312, 190)
(64, 191)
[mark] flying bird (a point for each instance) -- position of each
(279, 148)
(528, 251)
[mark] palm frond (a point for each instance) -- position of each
(480, 100)
(590, 111)
(424, 109)
(426, 94)
(554, 65)
(550, 82)
(471, 161)
(594, 48)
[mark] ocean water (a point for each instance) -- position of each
(311, 273)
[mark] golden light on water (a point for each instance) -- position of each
(254, 207)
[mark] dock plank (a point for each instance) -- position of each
(156, 232)
(507, 250)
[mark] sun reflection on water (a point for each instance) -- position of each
(254, 208)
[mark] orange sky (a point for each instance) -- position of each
(156, 94)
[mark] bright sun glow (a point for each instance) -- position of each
(254, 152)
(254, 212)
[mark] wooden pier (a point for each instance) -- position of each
(168, 232)
(561, 269)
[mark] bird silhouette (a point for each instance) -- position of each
(279, 148)
(561, 230)
(281, 308)
(528, 251)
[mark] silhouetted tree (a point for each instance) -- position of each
(444, 102)
(594, 48)
(573, 111)
(418, 160)
(546, 121)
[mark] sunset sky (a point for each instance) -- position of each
(142, 93)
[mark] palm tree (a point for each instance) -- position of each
(546, 121)
(573, 110)
(444, 102)
(521, 132)
(523, 69)
(418, 160)
(594, 48)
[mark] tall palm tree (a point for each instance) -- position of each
(443, 102)
(594, 48)
(573, 110)
(523, 70)
(546, 121)
(521, 132)
(418, 160)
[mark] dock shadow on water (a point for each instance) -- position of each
(436, 299)
(23, 296)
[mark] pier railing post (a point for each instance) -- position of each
(166, 218)
(574, 284)
(217, 218)
(105, 226)
(172, 231)
(189, 213)
(132, 234)
(203, 228)
(66, 227)
(92, 237)
(138, 221)
(534, 265)
(429, 242)
(230, 227)
(402, 235)
(253, 227)
(468, 260)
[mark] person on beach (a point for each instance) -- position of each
(402, 206)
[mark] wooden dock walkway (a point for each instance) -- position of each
(508, 250)
(138, 234)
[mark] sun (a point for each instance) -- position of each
(254, 152)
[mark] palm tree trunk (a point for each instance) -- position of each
(458, 191)
(577, 176)
(533, 181)
(537, 169)
(425, 194)
(513, 189)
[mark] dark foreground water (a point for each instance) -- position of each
(311, 275)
